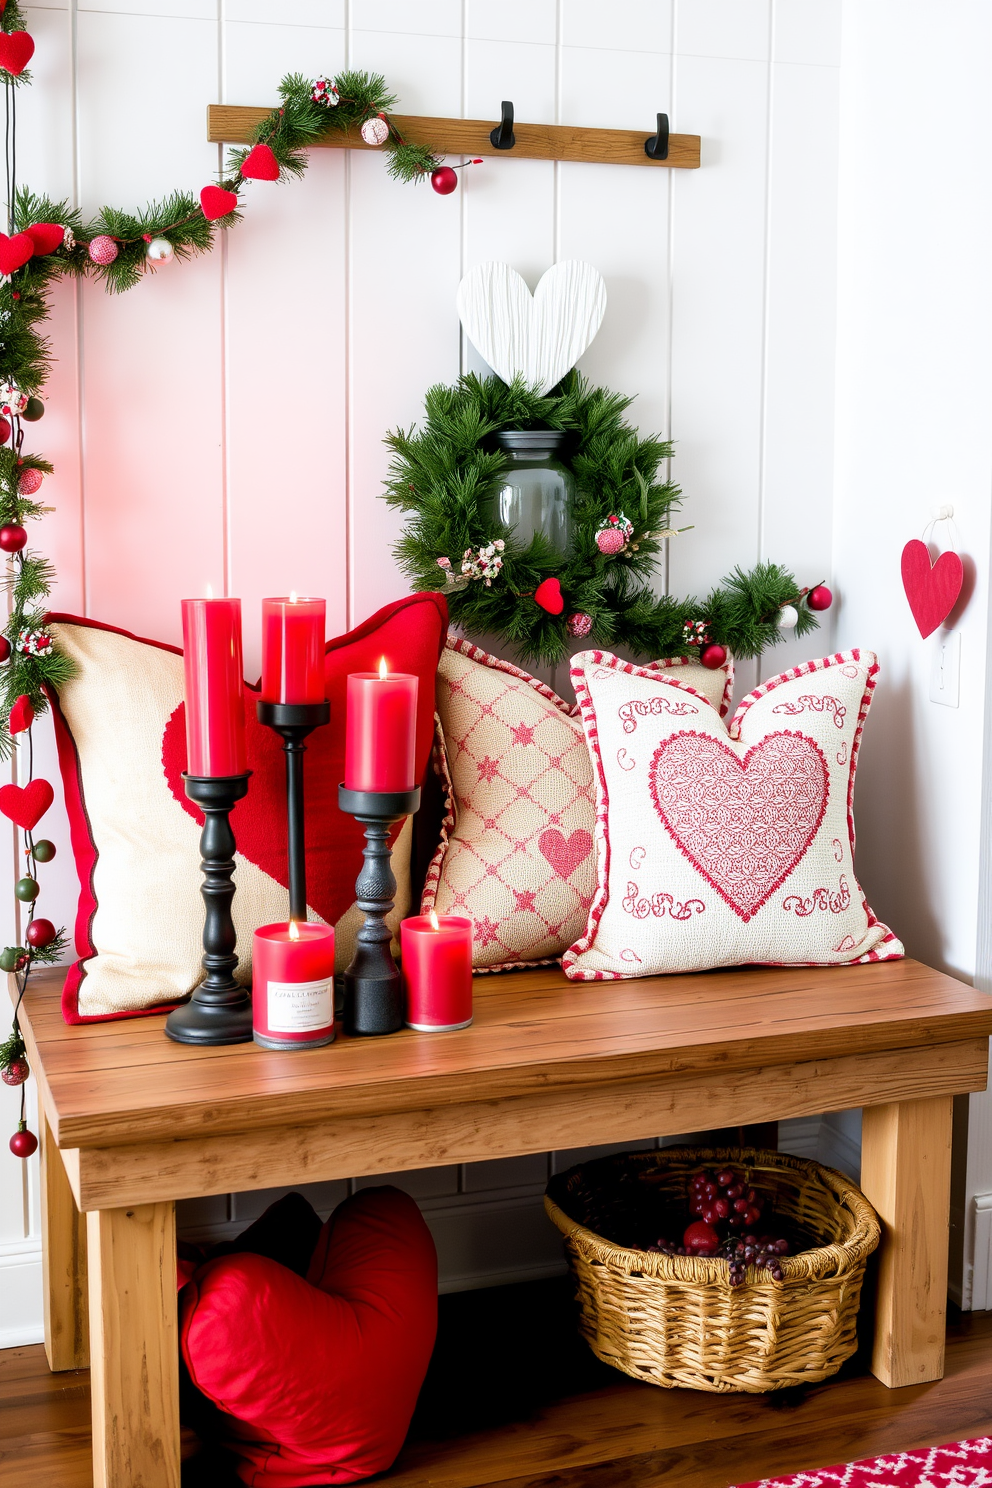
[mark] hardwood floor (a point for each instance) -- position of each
(515, 1400)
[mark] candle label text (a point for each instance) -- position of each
(300, 1007)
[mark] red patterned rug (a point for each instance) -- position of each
(966, 1464)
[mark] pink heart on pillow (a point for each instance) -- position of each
(565, 853)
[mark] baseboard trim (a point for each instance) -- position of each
(20, 1286)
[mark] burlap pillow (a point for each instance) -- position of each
(517, 852)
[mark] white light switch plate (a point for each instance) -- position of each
(945, 668)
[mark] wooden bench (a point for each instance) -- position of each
(131, 1123)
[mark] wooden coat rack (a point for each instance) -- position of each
(228, 124)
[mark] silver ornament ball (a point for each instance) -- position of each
(160, 250)
(788, 617)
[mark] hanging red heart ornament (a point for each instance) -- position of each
(260, 165)
(21, 715)
(16, 51)
(215, 202)
(548, 596)
(46, 236)
(931, 588)
(25, 805)
(15, 251)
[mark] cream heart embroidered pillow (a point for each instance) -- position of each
(717, 845)
(517, 852)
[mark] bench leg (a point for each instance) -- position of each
(134, 1368)
(63, 1242)
(906, 1175)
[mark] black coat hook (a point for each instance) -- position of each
(502, 135)
(656, 147)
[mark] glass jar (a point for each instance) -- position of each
(538, 490)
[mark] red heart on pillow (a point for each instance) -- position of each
(215, 202)
(548, 596)
(319, 1378)
(25, 805)
(16, 51)
(46, 236)
(565, 853)
(15, 251)
(931, 588)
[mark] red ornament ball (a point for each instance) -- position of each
(819, 598)
(103, 249)
(4, 430)
(579, 624)
(611, 540)
(23, 1143)
(39, 934)
(713, 656)
(444, 180)
(4, 648)
(12, 538)
(30, 481)
(16, 1072)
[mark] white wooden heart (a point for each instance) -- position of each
(539, 337)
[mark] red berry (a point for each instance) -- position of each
(4, 430)
(735, 1191)
(23, 1143)
(741, 1206)
(819, 598)
(722, 1207)
(40, 933)
(444, 180)
(751, 1196)
(701, 1238)
(15, 1073)
(697, 1204)
(752, 1215)
(4, 648)
(709, 1215)
(12, 537)
(710, 1190)
(725, 1178)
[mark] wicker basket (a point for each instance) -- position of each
(675, 1320)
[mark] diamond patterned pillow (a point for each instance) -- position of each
(517, 850)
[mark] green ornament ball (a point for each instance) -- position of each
(11, 957)
(35, 410)
(27, 890)
(43, 851)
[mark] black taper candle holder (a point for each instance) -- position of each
(219, 1012)
(294, 721)
(373, 991)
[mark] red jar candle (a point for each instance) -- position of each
(215, 689)
(381, 734)
(436, 961)
(293, 986)
(293, 650)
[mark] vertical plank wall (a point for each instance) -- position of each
(223, 422)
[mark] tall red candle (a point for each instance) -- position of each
(381, 735)
(215, 689)
(293, 650)
(436, 960)
(292, 974)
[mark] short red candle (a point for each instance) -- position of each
(381, 735)
(293, 650)
(293, 986)
(215, 689)
(436, 960)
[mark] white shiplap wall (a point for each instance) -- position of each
(224, 421)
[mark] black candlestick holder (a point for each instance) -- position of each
(373, 991)
(294, 721)
(219, 1011)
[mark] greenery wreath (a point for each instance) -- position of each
(446, 477)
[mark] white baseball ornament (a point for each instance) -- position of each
(375, 131)
(788, 617)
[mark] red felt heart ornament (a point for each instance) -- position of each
(21, 715)
(25, 805)
(215, 202)
(548, 596)
(16, 51)
(931, 588)
(15, 251)
(46, 236)
(260, 165)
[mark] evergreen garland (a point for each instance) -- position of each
(446, 477)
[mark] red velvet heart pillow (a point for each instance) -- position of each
(122, 749)
(318, 1378)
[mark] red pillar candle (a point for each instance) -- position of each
(381, 736)
(293, 650)
(436, 959)
(215, 689)
(293, 986)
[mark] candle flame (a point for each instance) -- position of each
(210, 591)
(434, 923)
(292, 596)
(382, 668)
(294, 932)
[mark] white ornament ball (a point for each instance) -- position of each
(375, 131)
(30, 482)
(12, 400)
(788, 617)
(103, 250)
(160, 250)
(325, 92)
